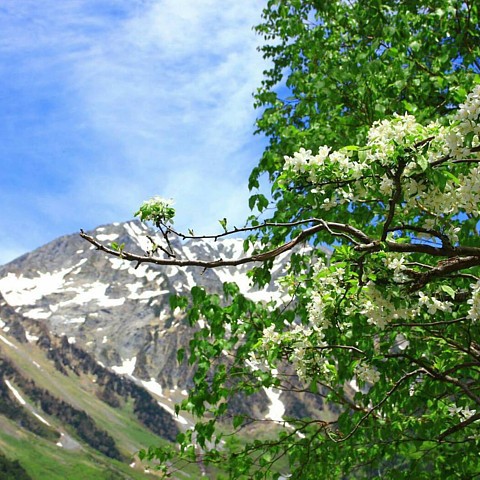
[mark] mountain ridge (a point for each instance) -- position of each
(117, 311)
(121, 318)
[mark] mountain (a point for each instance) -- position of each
(115, 311)
(62, 415)
(98, 317)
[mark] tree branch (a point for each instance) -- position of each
(446, 267)
(333, 227)
(380, 403)
(459, 426)
(397, 192)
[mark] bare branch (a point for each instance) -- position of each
(439, 376)
(447, 158)
(236, 231)
(430, 324)
(397, 193)
(333, 227)
(446, 267)
(459, 426)
(380, 403)
(434, 233)
(341, 347)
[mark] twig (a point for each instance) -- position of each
(459, 426)
(380, 403)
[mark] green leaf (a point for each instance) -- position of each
(238, 421)
(223, 223)
(448, 290)
(422, 162)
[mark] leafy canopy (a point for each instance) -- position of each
(374, 149)
(339, 66)
(386, 328)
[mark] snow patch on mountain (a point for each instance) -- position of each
(10, 344)
(20, 290)
(30, 338)
(276, 409)
(145, 295)
(107, 237)
(15, 393)
(93, 292)
(153, 387)
(137, 231)
(75, 320)
(41, 419)
(178, 418)
(38, 314)
(118, 263)
(127, 367)
(190, 283)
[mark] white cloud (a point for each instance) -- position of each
(149, 97)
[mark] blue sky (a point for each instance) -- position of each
(105, 103)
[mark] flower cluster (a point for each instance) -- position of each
(466, 134)
(364, 373)
(368, 173)
(396, 262)
(378, 309)
(304, 341)
(343, 162)
(433, 305)
(474, 311)
(385, 136)
(464, 412)
(303, 159)
(156, 209)
(467, 194)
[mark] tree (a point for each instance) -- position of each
(393, 314)
(339, 66)
(387, 327)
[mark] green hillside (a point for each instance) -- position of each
(60, 420)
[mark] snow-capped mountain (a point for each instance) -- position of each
(118, 312)
(121, 314)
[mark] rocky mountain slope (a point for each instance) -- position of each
(120, 315)
(62, 415)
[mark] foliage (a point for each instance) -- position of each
(156, 210)
(385, 328)
(339, 66)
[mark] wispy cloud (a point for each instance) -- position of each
(109, 103)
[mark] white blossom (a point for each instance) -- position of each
(396, 262)
(378, 309)
(270, 336)
(433, 305)
(464, 412)
(366, 374)
(474, 310)
(467, 117)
